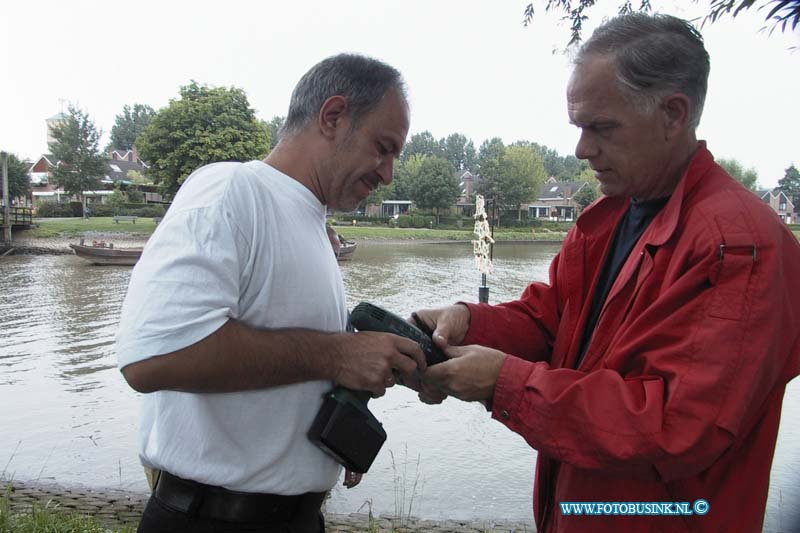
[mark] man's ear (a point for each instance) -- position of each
(676, 114)
(332, 116)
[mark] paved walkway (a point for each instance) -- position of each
(116, 508)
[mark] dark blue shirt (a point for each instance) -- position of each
(631, 227)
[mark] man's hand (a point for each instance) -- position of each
(367, 361)
(449, 324)
(469, 375)
(351, 479)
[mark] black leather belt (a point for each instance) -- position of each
(198, 499)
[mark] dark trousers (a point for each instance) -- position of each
(160, 516)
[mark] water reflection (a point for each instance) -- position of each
(66, 414)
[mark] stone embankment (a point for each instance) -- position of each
(60, 245)
(116, 508)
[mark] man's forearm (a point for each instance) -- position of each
(237, 357)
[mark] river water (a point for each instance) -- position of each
(67, 416)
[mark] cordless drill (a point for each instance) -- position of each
(344, 428)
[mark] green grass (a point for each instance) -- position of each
(75, 227)
(384, 233)
(50, 519)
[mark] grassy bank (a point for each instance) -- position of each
(379, 232)
(50, 518)
(75, 227)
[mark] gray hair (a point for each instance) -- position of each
(362, 80)
(654, 55)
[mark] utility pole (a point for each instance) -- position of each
(6, 202)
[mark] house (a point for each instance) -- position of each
(465, 205)
(132, 156)
(41, 188)
(117, 171)
(389, 208)
(555, 200)
(780, 203)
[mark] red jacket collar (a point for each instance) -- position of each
(594, 218)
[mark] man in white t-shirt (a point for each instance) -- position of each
(235, 317)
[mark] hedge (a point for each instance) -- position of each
(73, 209)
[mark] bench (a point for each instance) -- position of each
(125, 218)
(157, 220)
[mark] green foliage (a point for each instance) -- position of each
(510, 175)
(748, 178)
(59, 210)
(586, 195)
(129, 124)
(415, 221)
(19, 182)
(75, 147)
(562, 168)
(435, 186)
(405, 172)
(273, 127)
(421, 144)
(75, 227)
(459, 150)
(134, 196)
(53, 209)
(205, 125)
(134, 176)
(116, 199)
(49, 518)
(781, 13)
(489, 155)
(790, 185)
(140, 210)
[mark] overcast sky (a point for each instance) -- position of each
(471, 66)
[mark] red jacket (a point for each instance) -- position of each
(678, 396)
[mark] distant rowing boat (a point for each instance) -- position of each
(346, 250)
(107, 254)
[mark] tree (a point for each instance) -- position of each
(790, 185)
(510, 175)
(489, 155)
(135, 196)
(129, 124)
(459, 150)
(748, 178)
(435, 186)
(421, 144)
(586, 195)
(205, 125)
(781, 12)
(19, 181)
(137, 178)
(273, 128)
(116, 199)
(521, 174)
(79, 164)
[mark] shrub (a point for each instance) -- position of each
(53, 209)
(102, 210)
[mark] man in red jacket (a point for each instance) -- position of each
(651, 368)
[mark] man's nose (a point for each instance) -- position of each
(386, 170)
(586, 147)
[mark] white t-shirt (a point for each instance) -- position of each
(247, 242)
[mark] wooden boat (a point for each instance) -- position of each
(101, 253)
(346, 250)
